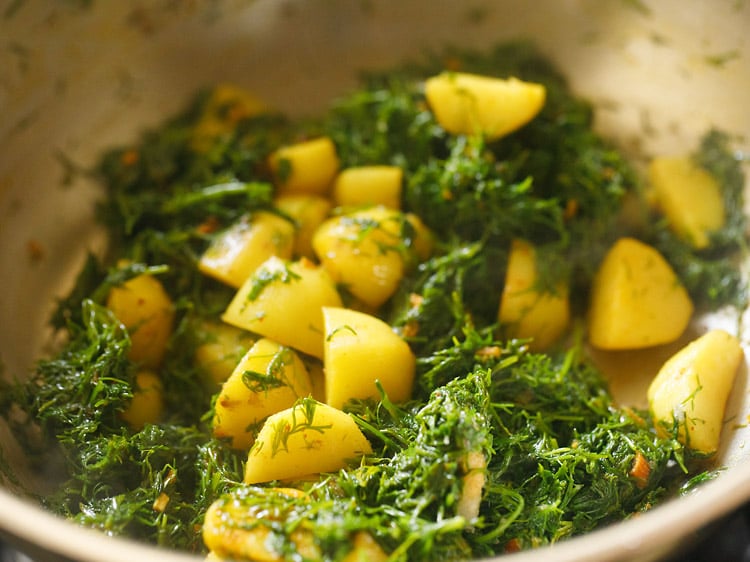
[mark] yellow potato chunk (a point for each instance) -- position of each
(147, 404)
(365, 549)
(146, 310)
(636, 300)
(283, 301)
(225, 107)
(238, 525)
(268, 379)
(308, 212)
(369, 185)
(468, 104)
(690, 391)
(527, 310)
(317, 378)
(689, 197)
(223, 347)
(359, 350)
(238, 251)
(308, 438)
(366, 251)
(306, 167)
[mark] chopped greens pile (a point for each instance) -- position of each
(561, 457)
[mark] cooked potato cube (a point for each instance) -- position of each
(240, 530)
(365, 549)
(268, 379)
(146, 310)
(147, 404)
(308, 212)
(223, 347)
(468, 104)
(308, 438)
(239, 524)
(689, 197)
(366, 251)
(369, 185)
(690, 391)
(359, 350)
(240, 249)
(225, 107)
(283, 301)
(317, 378)
(636, 300)
(527, 310)
(306, 167)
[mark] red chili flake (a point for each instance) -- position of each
(208, 226)
(640, 470)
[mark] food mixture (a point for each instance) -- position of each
(366, 335)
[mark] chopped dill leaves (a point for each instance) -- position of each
(556, 455)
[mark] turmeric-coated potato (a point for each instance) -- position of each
(637, 300)
(221, 349)
(238, 525)
(367, 251)
(306, 167)
(238, 251)
(361, 349)
(284, 301)
(225, 106)
(369, 185)
(308, 212)
(268, 379)
(527, 310)
(689, 197)
(147, 404)
(690, 391)
(468, 104)
(146, 310)
(308, 438)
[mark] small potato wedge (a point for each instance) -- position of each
(690, 391)
(308, 438)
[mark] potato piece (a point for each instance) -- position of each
(283, 301)
(365, 549)
(240, 530)
(636, 300)
(526, 310)
(308, 212)
(268, 379)
(468, 104)
(366, 251)
(689, 197)
(691, 390)
(238, 526)
(240, 249)
(359, 350)
(306, 167)
(146, 310)
(225, 107)
(369, 185)
(308, 438)
(317, 378)
(224, 346)
(147, 404)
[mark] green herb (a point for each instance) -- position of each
(557, 453)
(265, 276)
